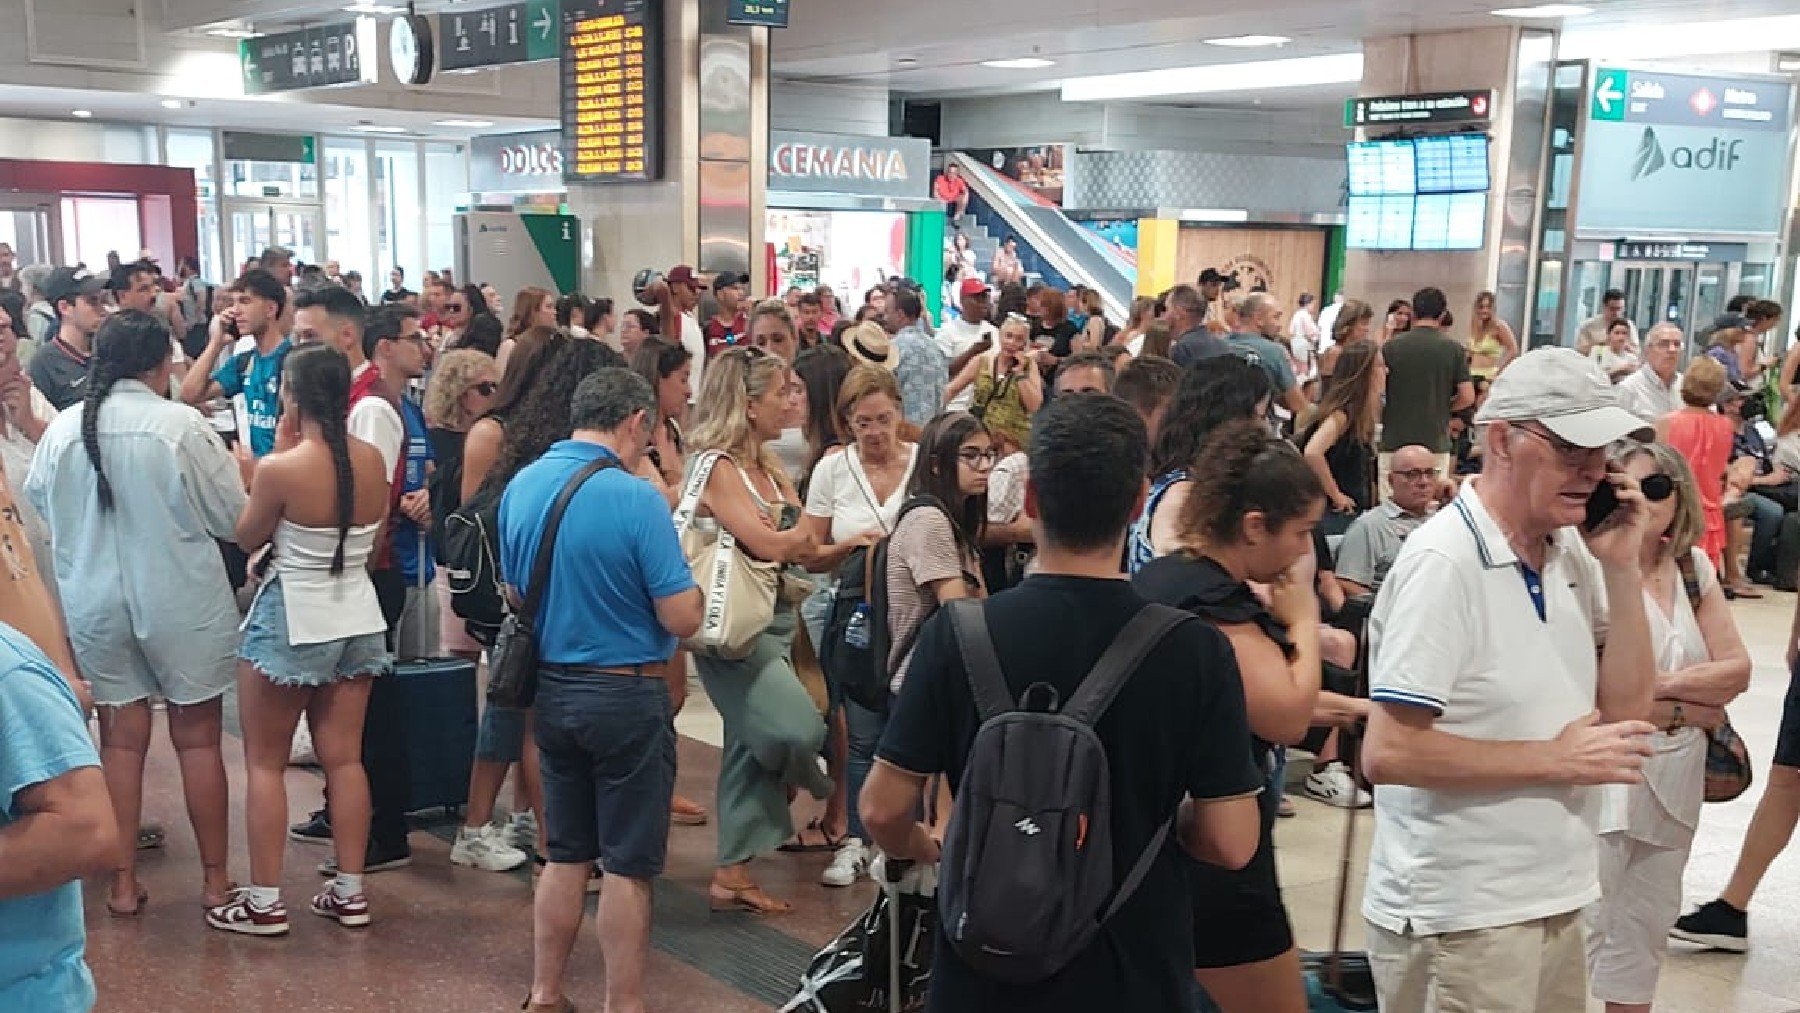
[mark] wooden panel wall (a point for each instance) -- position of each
(1286, 262)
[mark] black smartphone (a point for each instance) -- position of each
(1601, 504)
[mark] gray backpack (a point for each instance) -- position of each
(1027, 874)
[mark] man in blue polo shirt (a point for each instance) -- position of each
(56, 826)
(619, 596)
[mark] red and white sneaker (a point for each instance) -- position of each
(350, 912)
(239, 915)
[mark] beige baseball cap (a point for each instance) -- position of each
(1565, 392)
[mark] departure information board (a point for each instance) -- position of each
(611, 91)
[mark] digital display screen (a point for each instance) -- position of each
(770, 13)
(1382, 222)
(1450, 221)
(1453, 163)
(612, 69)
(1382, 167)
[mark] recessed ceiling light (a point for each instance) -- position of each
(369, 8)
(1543, 11)
(370, 128)
(1022, 63)
(172, 103)
(232, 33)
(469, 124)
(82, 114)
(1250, 41)
(907, 61)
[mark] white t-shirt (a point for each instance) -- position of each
(1327, 323)
(840, 490)
(956, 337)
(694, 340)
(373, 420)
(1455, 630)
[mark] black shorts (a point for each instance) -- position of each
(1787, 742)
(1238, 915)
(606, 746)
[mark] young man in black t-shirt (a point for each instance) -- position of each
(1176, 737)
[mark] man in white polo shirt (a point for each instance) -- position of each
(1504, 686)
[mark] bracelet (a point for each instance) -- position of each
(1679, 720)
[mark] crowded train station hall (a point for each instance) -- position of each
(710, 506)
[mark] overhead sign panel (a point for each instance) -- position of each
(515, 33)
(328, 56)
(1684, 154)
(611, 91)
(769, 13)
(1417, 110)
(839, 163)
(526, 162)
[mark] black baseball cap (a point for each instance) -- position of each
(71, 283)
(1211, 276)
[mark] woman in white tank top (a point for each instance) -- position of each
(314, 636)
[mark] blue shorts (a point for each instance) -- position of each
(266, 646)
(501, 737)
(606, 746)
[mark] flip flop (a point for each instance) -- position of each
(799, 845)
(143, 897)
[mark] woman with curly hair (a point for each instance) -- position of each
(462, 389)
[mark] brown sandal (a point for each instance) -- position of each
(143, 897)
(685, 812)
(745, 898)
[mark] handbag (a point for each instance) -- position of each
(738, 591)
(1728, 770)
(513, 661)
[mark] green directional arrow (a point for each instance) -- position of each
(543, 29)
(1611, 86)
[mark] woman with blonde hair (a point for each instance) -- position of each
(772, 730)
(462, 389)
(1646, 829)
(1704, 437)
(1491, 341)
(533, 307)
(1008, 387)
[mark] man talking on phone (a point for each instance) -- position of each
(1511, 672)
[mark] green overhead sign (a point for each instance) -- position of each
(515, 33)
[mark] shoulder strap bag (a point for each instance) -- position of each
(738, 591)
(1728, 770)
(513, 663)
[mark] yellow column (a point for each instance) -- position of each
(1157, 240)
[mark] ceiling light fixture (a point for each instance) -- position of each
(232, 33)
(907, 61)
(1021, 63)
(371, 128)
(372, 8)
(1249, 41)
(1257, 75)
(82, 114)
(1544, 11)
(172, 103)
(1692, 38)
(468, 124)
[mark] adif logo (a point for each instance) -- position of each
(1027, 827)
(1718, 154)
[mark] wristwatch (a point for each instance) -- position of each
(1679, 720)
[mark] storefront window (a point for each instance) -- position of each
(398, 230)
(348, 233)
(193, 149)
(446, 186)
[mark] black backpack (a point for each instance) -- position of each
(469, 548)
(1027, 874)
(864, 672)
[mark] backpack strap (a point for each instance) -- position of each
(1127, 651)
(1139, 869)
(980, 663)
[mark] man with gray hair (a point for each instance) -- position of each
(1259, 338)
(1511, 670)
(617, 598)
(1655, 389)
(1374, 539)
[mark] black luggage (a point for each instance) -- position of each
(1787, 554)
(438, 697)
(882, 962)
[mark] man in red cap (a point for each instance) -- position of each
(684, 288)
(969, 335)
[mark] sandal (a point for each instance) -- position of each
(151, 836)
(800, 846)
(565, 1006)
(745, 898)
(143, 897)
(685, 812)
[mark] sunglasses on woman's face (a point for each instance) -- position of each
(1657, 488)
(486, 388)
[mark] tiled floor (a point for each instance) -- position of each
(451, 939)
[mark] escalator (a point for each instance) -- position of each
(1060, 251)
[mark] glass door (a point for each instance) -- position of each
(32, 227)
(252, 228)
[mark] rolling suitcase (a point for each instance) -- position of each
(1787, 553)
(439, 702)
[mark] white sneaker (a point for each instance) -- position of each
(486, 848)
(1332, 784)
(522, 831)
(850, 862)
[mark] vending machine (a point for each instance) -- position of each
(513, 249)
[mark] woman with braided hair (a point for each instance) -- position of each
(135, 488)
(314, 638)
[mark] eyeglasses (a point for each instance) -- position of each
(1570, 455)
(456, 307)
(1657, 487)
(1415, 474)
(486, 388)
(980, 460)
(863, 423)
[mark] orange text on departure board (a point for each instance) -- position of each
(609, 90)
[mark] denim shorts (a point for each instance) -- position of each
(266, 646)
(606, 747)
(501, 737)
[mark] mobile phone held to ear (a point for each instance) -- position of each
(1602, 503)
